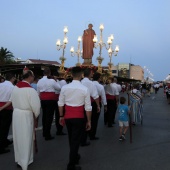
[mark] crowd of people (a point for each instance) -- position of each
(76, 104)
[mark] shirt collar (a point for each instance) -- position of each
(8, 82)
(75, 81)
(26, 81)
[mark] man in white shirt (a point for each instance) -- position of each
(112, 96)
(123, 87)
(156, 87)
(62, 82)
(75, 97)
(46, 88)
(102, 100)
(6, 114)
(94, 99)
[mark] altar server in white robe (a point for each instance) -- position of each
(26, 104)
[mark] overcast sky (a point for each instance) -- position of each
(30, 28)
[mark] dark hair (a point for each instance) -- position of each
(122, 100)
(96, 76)
(9, 76)
(76, 71)
(27, 74)
(87, 72)
(56, 74)
(47, 71)
(115, 79)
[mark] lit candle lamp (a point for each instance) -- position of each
(101, 27)
(65, 41)
(117, 48)
(79, 38)
(109, 41)
(109, 50)
(112, 37)
(65, 29)
(58, 43)
(72, 49)
(95, 39)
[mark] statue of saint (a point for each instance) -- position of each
(88, 44)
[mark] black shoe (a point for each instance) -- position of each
(9, 142)
(85, 144)
(75, 168)
(109, 126)
(3, 151)
(60, 133)
(94, 138)
(121, 139)
(19, 166)
(49, 138)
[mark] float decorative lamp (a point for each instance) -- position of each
(63, 47)
(78, 53)
(101, 44)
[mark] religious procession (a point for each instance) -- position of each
(76, 104)
(75, 98)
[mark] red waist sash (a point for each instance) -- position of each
(74, 112)
(110, 97)
(8, 108)
(49, 96)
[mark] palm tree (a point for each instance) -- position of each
(6, 57)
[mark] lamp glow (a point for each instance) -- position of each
(65, 29)
(101, 27)
(58, 43)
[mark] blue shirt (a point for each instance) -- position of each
(34, 86)
(123, 112)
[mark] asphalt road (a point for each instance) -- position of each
(150, 149)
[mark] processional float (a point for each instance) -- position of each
(89, 42)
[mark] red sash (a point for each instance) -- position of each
(74, 112)
(49, 96)
(110, 97)
(8, 108)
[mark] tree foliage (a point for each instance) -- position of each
(6, 57)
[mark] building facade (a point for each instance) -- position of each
(136, 72)
(127, 70)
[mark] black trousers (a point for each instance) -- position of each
(75, 128)
(57, 117)
(84, 132)
(109, 116)
(5, 122)
(94, 120)
(48, 108)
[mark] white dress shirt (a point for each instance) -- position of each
(6, 89)
(112, 89)
(119, 87)
(92, 88)
(75, 94)
(47, 85)
(62, 83)
(101, 92)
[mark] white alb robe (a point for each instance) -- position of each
(25, 102)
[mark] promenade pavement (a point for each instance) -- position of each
(150, 149)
